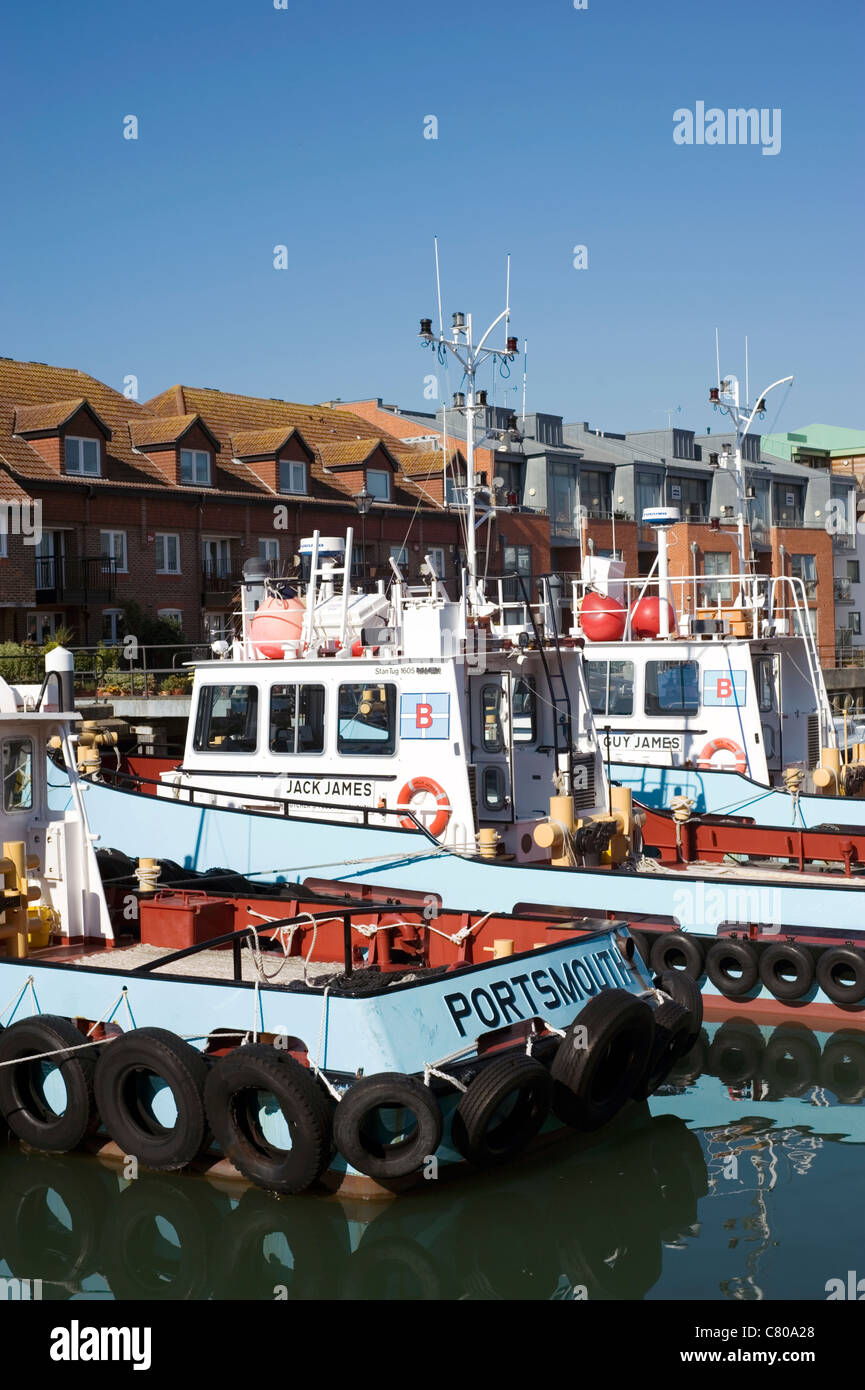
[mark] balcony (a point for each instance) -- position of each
(77, 582)
(842, 590)
(220, 579)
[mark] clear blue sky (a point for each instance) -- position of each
(305, 127)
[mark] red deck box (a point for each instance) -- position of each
(178, 919)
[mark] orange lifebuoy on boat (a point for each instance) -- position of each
(426, 784)
(723, 745)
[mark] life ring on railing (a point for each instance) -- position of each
(723, 745)
(426, 784)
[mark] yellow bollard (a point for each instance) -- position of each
(500, 948)
(15, 854)
(488, 841)
(828, 775)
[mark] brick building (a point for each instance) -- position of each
(160, 503)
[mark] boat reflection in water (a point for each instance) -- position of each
(653, 1207)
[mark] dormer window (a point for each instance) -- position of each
(378, 484)
(82, 456)
(195, 467)
(292, 476)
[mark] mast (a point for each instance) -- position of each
(470, 358)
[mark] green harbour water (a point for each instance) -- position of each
(740, 1181)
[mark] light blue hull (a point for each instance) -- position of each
(271, 848)
(731, 794)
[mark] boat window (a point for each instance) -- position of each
(227, 719)
(492, 736)
(611, 686)
(525, 712)
(493, 787)
(17, 774)
(672, 687)
(297, 719)
(367, 719)
(765, 672)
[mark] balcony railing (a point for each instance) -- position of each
(79, 581)
(221, 576)
(841, 588)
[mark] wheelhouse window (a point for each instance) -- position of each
(82, 456)
(17, 774)
(366, 721)
(492, 734)
(525, 710)
(611, 686)
(672, 687)
(195, 467)
(227, 719)
(764, 670)
(493, 788)
(297, 719)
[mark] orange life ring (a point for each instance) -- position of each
(726, 745)
(425, 784)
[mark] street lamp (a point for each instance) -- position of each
(363, 501)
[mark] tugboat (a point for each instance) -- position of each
(306, 1061)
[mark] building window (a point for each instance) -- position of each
(562, 499)
(611, 686)
(268, 549)
(82, 456)
(367, 719)
(804, 567)
(195, 467)
(853, 571)
(691, 496)
(42, 626)
(216, 558)
(167, 552)
(171, 615)
(217, 627)
(378, 484)
(400, 554)
(854, 623)
(112, 621)
(672, 687)
(595, 492)
(292, 476)
(788, 504)
(4, 539)
(757, 507)
(297, 719)
(112, 546)
(437, 556)
(716, 562)
(17, 774)
(227, 719)
(648, 492)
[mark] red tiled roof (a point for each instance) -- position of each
(253, 443)
(29, 419)
(159, 429)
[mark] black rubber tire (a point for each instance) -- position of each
(52, 1215)
(120, 1096)
(592, 1083)
(786, 956)
(22, 1103)
(736, 1053)
(679, 951)
(371, 1155)
(741, 956)
(143, 1259)
(842, 1067)
(691, 1066)
(394, 1268)
(271, 1249)
(474, 1130)
(791, 1060)
(683, 988)
(236, 1127)
(836, 963)
(672, 1031)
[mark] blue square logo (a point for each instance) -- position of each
(425, 716)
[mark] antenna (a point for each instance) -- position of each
(438, 283)
(717, 359)
(525, 370)
(747, 392)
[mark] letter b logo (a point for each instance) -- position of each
(725, 687)
(423, 716)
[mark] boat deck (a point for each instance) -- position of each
(217, 964)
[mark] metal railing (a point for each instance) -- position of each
(841, 589)
(70, 579)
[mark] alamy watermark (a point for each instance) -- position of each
(736, 126)
(22, 519)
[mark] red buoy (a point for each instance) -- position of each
(602, 619)
(277, 621)
(646, 617)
